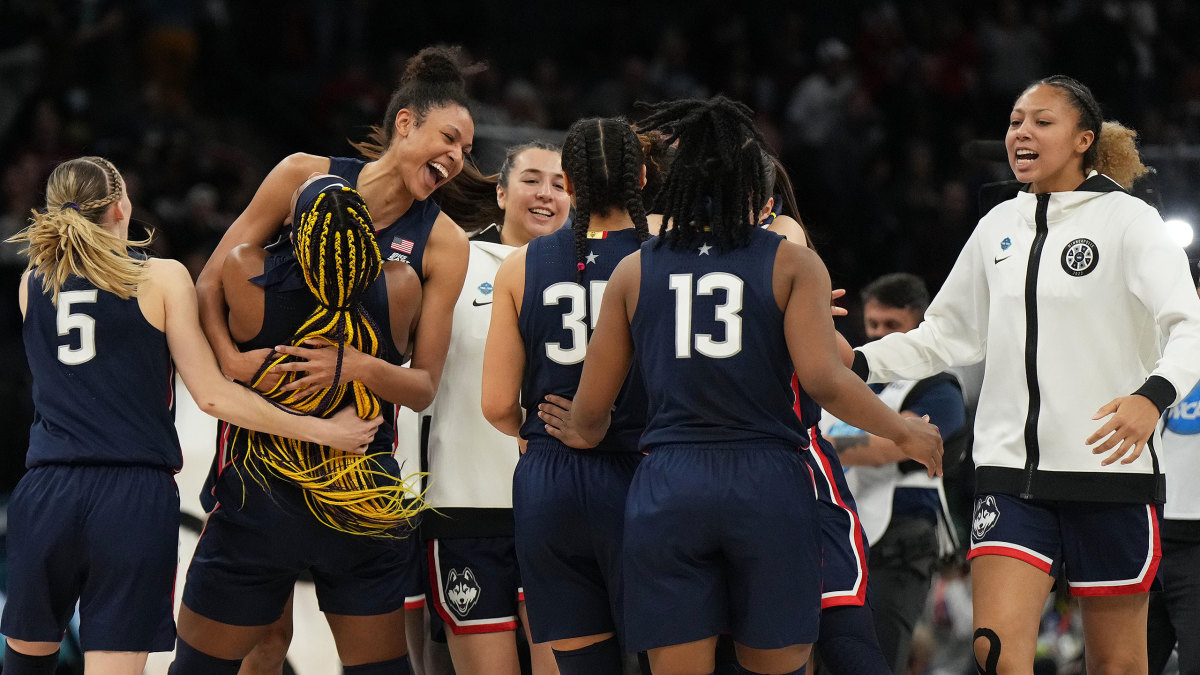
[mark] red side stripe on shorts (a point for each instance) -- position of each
(858, 597)
(1130, 587)
(1010, 551)
(468, 628)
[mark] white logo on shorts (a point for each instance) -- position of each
(462, 590)
(986, 515)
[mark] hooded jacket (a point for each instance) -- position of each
(1074, 298)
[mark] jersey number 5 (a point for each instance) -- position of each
(573, 318)
(726, 313)
(70, 321)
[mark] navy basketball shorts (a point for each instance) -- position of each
(569, 512)
(251, 553)
(1103, 548)
(107, 536)
(415, 596)
(843, 542)
(475, 583)
(722, 537)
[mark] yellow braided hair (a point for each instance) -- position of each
(334, 241)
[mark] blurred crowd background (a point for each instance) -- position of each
(868, 103)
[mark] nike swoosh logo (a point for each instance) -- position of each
(1000, 260)
(480, 304)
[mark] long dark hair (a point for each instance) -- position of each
(602, 158)
(718, 175)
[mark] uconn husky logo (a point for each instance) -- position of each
(1079, 257)
(986, 515)
(462, 590)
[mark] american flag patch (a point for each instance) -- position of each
(402, 245)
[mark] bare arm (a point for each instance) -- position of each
(583, 422)
(170, 288)
(445, 262)
(800, 277)
(318, 359)
(504, 352)
(256, 225)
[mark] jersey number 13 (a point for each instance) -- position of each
(726, 313)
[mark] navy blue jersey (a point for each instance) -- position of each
(709, 337)
(404, 239)
(287, 304)
(103, 382)
(556, 321)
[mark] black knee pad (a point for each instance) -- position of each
(601, 658)
(390, 667)
(993, 657)
(191, 661)
(18, 663)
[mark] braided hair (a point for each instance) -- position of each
(66, 238)
(435, 77)
(603, 159)
(718, 177)
(334, 242)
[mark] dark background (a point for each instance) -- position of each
(868, 103)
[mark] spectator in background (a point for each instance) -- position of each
(902, 509)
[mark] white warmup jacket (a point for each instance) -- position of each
(1069, 295)
(1181, 459)
(470, 463)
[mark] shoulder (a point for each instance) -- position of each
(303, 164)
(446, 231)
(401, 278)
(167, 271)
(790, 229)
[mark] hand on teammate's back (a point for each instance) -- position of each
(556, 413)
(923, 443)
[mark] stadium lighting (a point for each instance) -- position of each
(1181, 231)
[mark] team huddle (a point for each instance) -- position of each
(634, 329)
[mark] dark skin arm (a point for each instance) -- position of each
(257, 225)
(802, 287)
(393, 383)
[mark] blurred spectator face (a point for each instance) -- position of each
(880, 320)
(1044, 142)
(535, 201)
(431, 149)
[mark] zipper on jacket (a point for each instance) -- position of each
(1032, 448)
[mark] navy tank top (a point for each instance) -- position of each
(709, 337)
(406, 237)
(287, 304)
(558, 314)
(103, 381)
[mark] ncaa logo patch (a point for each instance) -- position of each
(1184, 419)
(1079, 257)
(462, 590)
(986, 515)
(1005, 244)
(485, 288)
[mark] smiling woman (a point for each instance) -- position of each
(420, 146)
(1063, 478)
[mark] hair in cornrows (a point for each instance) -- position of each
(603, 159)
(335, 245)
(718, 179)
(435, 77)
(67, 239)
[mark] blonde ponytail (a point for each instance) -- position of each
(1117, 154)
(66, 238)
